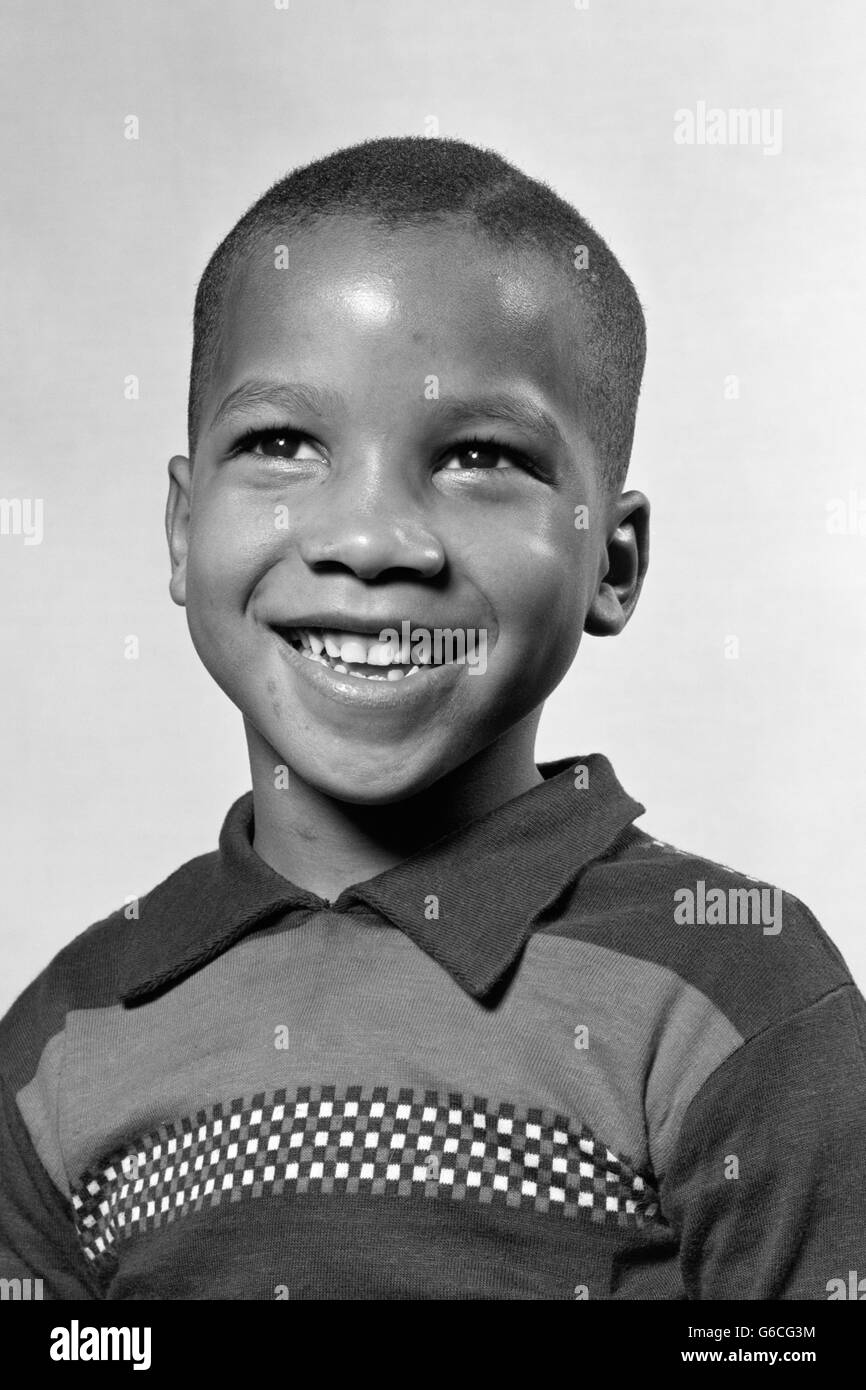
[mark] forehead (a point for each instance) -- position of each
(384, 309)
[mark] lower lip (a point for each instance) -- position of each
(359, 692)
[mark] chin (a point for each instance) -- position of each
(378, 784)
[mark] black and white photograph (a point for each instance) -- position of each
(377, 927)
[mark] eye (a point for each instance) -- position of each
(484, 455)
(277, 444)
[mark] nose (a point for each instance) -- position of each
(370, 526)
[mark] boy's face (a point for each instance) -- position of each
(336, 486)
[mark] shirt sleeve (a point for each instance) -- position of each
(767, 1185)
(38, 1239)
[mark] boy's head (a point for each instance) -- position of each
(413, 392)
(413, 181)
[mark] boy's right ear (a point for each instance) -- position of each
(177, 524)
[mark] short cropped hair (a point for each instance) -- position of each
(412, 181)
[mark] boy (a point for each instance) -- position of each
(433, 1022)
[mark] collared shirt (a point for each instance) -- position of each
(547, 1057)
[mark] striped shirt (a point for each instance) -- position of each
(547, 1057)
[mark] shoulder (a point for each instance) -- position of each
(86, 974)
(753, 949)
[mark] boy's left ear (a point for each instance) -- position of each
(627, 555)
(177, 524)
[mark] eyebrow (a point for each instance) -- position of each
(523, 412)
(452, 411)
(283, 395)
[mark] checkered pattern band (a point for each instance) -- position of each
(380, 1143)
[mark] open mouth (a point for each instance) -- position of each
(361, 654)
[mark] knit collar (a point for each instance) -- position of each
(471, 900)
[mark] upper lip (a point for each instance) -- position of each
(370, 627)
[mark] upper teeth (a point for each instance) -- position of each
(353, 647)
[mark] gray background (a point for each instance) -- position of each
(749, 265)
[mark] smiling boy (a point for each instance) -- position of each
(430, 1023)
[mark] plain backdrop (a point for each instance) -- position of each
(751, 270)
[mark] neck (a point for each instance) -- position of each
(325, 845)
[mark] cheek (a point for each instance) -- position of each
(230, 545)
(540, 581)
(222, 570)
